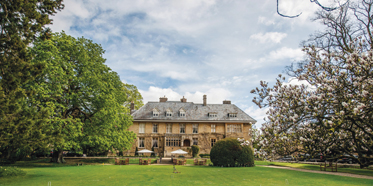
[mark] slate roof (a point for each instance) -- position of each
(194, 112)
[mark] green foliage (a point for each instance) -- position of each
(195, 150)
(11, 171)
(21, 23)
(204, 155)
(84, 95)
(133, 95)
(229, 153)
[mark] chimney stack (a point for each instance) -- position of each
(204, 100)
(226, 102)
(183, 100)
(164, 99)
(132, 107)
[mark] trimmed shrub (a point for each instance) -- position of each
(204, 155)
(229, 153)
(11, 171)
(195, 150)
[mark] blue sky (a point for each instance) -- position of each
(176, 48)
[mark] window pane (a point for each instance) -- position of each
(141, 142)
(213, 128)
(142, 128)
(182, 128)
(195, 128)
(169, 128)
(155, 142)
(155, 128)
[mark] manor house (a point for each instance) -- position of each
(172, 125)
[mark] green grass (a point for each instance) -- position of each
(162, 175)
(316, 167)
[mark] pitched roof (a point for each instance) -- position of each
(194, 112)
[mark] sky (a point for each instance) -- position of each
(176, 48)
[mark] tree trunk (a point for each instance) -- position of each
(57, 157)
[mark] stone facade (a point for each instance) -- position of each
(151, 130)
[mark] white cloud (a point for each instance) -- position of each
(286, 53)
(192, 47)
(265, 21)
(214, 95)
(274, 37)
(258, 114)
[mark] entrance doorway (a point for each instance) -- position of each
(186, 143)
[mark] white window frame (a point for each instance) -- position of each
(213, 128)
(155, 113)
(182, 128)
(141, 142)
(155, 128)
(233, 115)
(195, 128)
(234, 128)
(182, 114)
(142, 128)
(169, 128)
(173, 142)
(155, 143)
(213, 115)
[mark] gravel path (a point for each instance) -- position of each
(321, 172)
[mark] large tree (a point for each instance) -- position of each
(21, 22)
(86, 97)
(333, 114)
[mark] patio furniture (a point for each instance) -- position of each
(140, 161)
(127, 161)
(117, 161)
(332, 167)
(121, 162)
(181, 162)
(202, 162)
(195, 161)
(184, 162)
(174, 161)
(149, 161)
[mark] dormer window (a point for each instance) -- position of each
(233, 115)
(168, 113)
(182, 113)
(155, 113)
(213, 115)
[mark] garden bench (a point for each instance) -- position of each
(195, 161)
(202, 162)
(323, 167)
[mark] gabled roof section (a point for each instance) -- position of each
(194, 112)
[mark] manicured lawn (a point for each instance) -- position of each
(162, 175)
(316, 167)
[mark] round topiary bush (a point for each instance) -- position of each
(230, 153)
(195, 150)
